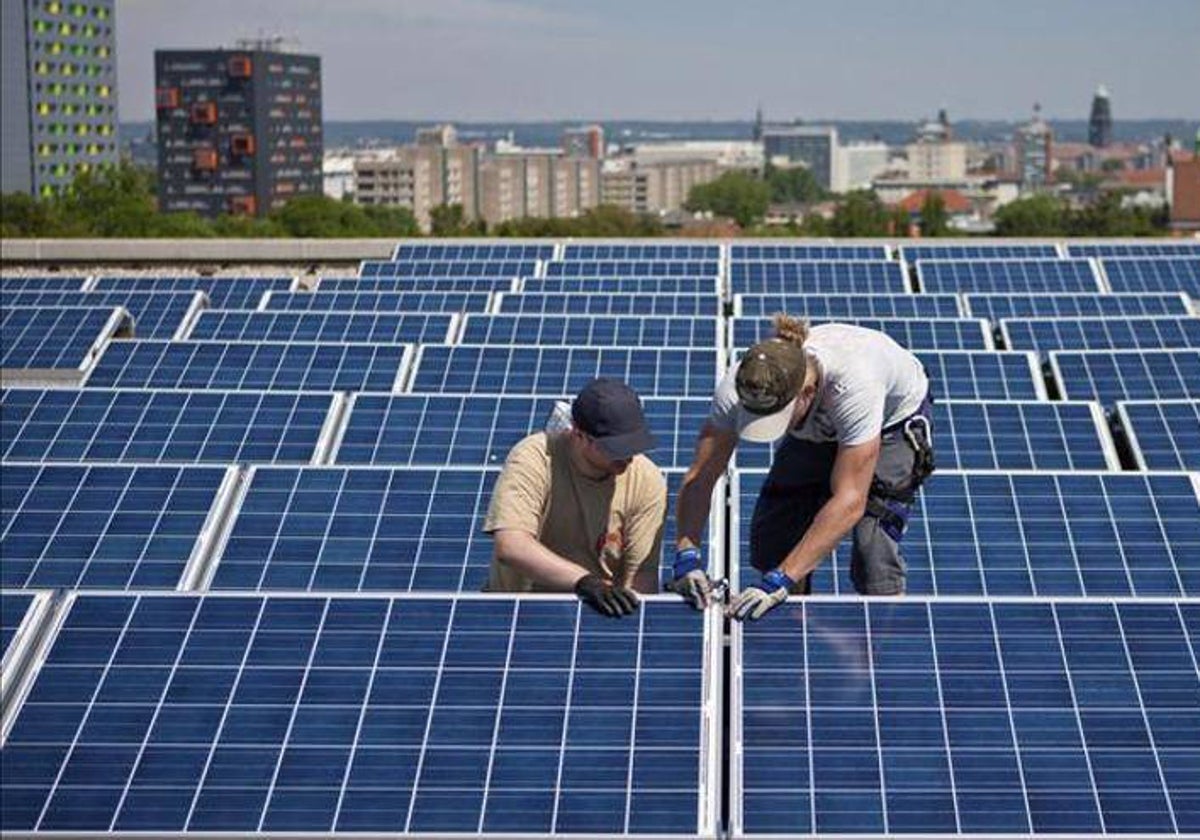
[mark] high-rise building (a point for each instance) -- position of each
(861, 164)
(239, 130)
(59, 92)
(584, 141)
(1100, 124)
(1034, 147)
(811, 146)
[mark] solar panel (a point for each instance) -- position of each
(417, 251)
(604, 251)
(366, 327)
(808, 252)
(1019, 435)
(13, 608)
(155, 314)
(437, 430)
(413, 715)
(833, 277)
(251, 366)
(13, 283)
(976, 718)
(592, 330)
(379, 301)
(609, 304)
(631, 268)
(1159, 274)
(1134, 249)
(223, 292)
(1019, 276)
(913, 333)
(669, 372)
(417, 284)
(1033, 533)
(989, 251)
(106, 527)
(1163, 435)
(1110, 376)
(1133, 333)
(621, 285)
(849, 306)
(162, 426)
(64, 339)
(448, 268)
(997, 307)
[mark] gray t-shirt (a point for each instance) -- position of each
(868, 381)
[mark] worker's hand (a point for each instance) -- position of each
(691, 580)
(604, 598)
(756, 601)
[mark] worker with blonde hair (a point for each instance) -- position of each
(853, 408)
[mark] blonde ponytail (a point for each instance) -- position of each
(790, 329)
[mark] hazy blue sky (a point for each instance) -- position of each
(696, 59)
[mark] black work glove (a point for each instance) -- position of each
(604, 598)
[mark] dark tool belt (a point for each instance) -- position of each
(891, 503)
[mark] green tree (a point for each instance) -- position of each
(735, 195)
(860, 214)
(935, 221)
(1038, 215)
(118, 201)
(793, 186)
(899, 222)
(451, 220)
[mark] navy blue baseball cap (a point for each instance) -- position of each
(609, 412)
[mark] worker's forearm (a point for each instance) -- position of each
(832, 522)
(524, 553)
(691, 511)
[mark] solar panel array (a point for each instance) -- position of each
(309, 461)
(58, 339)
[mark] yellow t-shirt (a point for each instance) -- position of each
(609, 527)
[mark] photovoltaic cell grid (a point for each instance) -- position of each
(414, 715)
(808, 252)
(248, 366)
(1133, 333)
(155, 314)
(833, 277)
(610, 304)
(1179, 274)
(491, 252)
(631, 268)
(1004, 436)
(55, 339)
(621, 285)
(223, 292)
(365, 327)
(434, 430)
(562, 370)
(849, 306)
(14, 283)
(1019, 276)
(592, 330)
(912, 253)
(449, 268)
(1109, 376)
(913, 333)
(1042, 534)
(975, 718)
(998, 307)
(103, 527)
(161, 426)
(1134, 249)
(1163, 435)
(379, 301)
(13, 607)
(416, 284)
(673, 253)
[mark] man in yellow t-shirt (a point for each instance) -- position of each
(582, 510)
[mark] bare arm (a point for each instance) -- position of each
(851, 484)
(714, 448)
(522, 551)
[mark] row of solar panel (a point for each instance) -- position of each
(173, 713)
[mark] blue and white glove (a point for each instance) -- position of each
(691, 580)
(756, 601)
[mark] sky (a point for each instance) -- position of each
(529, 60)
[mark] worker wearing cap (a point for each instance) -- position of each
(582, 509)
(852, 407)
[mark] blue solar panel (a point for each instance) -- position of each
(563, 370)
(989, 251)
(379, 301)
(997, 307)
(631, 268)
(242, 366)
(13, 608)
(1045, 534)
(416, 284)
(1134, 249)
(1181, 274)
(367, 327)
(985, 719)
(448, 268)
(622, 285)
(13, 283)
(105, 527)
(850, 306)
(982, 375)
(1135, 333)
(975, 435)
(604, 252)
(161, 426)
(592, 330)
(610, 304)
(802, 278)
(436, 430)
(1019, 276)
(403, 715)
(1110, 376)
(417, 251)
(808, 252)
(155, 314)
(223, 292)
(913, 333)
(1163, 435)
(64, 338)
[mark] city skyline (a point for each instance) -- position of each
(480, 60)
